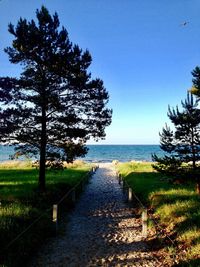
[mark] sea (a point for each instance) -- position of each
(106, 153)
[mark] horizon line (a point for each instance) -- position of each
(124, 144)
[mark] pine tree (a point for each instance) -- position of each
(182, 146)
(168, 164)
(7, 91)
(55, 106)
(195, 90)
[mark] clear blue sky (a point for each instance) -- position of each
(139, 49)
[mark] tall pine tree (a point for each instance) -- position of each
(182, 146)
(55, 106)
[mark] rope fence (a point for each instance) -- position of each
(72, 193)
(55, 208)
(130, 195)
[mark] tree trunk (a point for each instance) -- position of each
(42, 170)
(193, 151)
(42, 184)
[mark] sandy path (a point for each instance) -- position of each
(102, 230)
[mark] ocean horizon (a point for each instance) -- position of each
(105, 153)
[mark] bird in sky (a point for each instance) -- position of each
(184, 23)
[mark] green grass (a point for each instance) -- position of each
(142, 178)
(176, 207)
(21, 204)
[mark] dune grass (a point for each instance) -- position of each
(21, 204)
(176, 207)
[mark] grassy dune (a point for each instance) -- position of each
(176, 207)
(21, 204)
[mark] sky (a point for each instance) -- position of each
(140, 49)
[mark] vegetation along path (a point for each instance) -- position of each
(102, 230)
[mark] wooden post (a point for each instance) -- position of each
(130, 194)
(144, 223)
(55, 216)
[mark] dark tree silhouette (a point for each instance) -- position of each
(183, 144)
(7, 86)
(195, 90)
(55, 106)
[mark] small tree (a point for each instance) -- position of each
(182, 145)
(55, 106)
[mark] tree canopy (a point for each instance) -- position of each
(181, 145)
(55, 106)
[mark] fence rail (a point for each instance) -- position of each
(55, 208)
(72, 193)
(130, 195)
